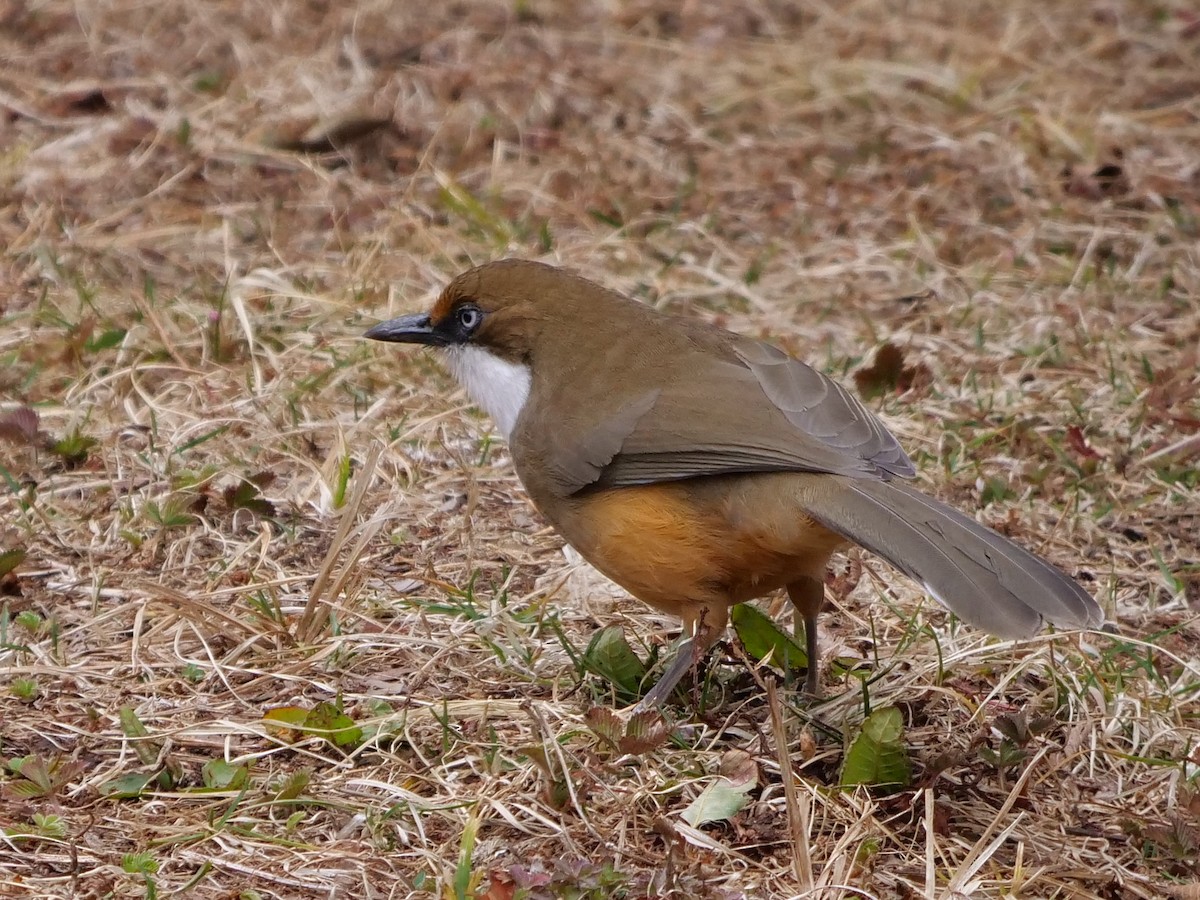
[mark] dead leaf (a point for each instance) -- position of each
(326, 137)
(721, 799)
(739, 767)
(87, 101)
(645, 731)
(606, 724)
(1096, 182)
(20, 426)
(500, 887)
(887, 373)
(133, 135)
(917, 300)
(1079, 444)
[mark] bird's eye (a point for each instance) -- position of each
(468, 318)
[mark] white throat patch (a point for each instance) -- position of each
(495, 385)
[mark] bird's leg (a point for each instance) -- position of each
(808, 596)
(700, 634)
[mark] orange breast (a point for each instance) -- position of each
(686, 545)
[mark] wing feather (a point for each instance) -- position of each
(775, 414)
(821, 407)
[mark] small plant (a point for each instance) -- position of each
(1174, 839)
(462, 602)
(878, 756)
(1017, 731)
(995, 490)
(578, 879)
(247, 494)
(145, 865)
(266, 605)
(291, 787)
(38, 778)
(609, 656)
(645, 730)
(326, 720)
(74, 449)
(105, 341)
(39, 628)
(50, 825)
(165, 771)
(8, 640)
(186, 479)
(24, 689)
(42, 825)
(341, 480)
(171, 514)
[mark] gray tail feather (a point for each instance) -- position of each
(984, 578)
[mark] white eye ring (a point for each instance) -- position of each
(469, 318)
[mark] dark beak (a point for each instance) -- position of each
(414, 329)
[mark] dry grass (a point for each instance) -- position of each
(1007, 190)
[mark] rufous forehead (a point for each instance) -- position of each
(461, 288)
(445, 303)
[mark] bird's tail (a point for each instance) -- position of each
(984, 578)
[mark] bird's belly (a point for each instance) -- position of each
(707, 542)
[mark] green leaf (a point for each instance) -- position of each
(286, 722)
(341, 486)
(995, 490)
(463, 871)
(293, 786)
(609, 655)
(168, 776)
(878, 757)
(328, 721)
(126, 787)
(719, 801)
(25, 790)
(106, 341)
(35, 769)
(220, 775)
(131, 725)
(760, 636)
(613, 220)
(9, 560)
(139, 863)
(197, 441)
(147, 751)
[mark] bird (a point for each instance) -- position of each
(698, 468)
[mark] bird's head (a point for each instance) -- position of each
(498, 307)
(493, 322)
